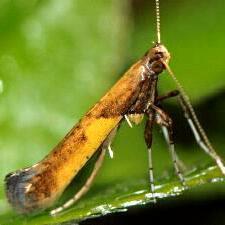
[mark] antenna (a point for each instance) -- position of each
(157, 9)
(190, 107)
(186, 105)
(196, 127)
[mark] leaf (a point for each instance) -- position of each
(119, 198)
(59, 57)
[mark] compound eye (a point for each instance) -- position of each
(157, 67)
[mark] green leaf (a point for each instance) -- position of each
(58, 58)
(119, 197)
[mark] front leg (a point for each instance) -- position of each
(170, 94)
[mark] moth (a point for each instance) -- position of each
(135, 95)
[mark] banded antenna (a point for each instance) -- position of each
(157, 10)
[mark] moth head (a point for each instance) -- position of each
(156, 57)
(161, 52)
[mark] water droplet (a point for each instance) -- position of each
(132, 203)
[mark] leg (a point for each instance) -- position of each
(166, 123)
(174, 156)
(199, 134)
(170, 94)
(128, 121)
(108, 141)
(148, 141)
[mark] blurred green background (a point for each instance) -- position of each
(57, 58)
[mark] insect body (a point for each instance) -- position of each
(133, 96)
(37, 187)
